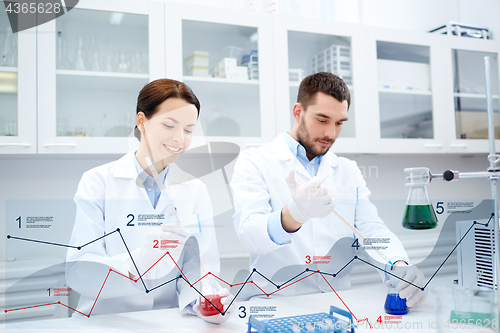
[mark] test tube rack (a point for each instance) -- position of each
(316, 322)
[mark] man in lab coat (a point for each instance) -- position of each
(284, 196)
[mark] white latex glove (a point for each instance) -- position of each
(217, 318)
(157, 242)
(413, 295)
(309, 200)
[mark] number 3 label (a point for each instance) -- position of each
(308, 259)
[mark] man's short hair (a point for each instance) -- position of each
(327, 83)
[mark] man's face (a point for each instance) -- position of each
(320, 124)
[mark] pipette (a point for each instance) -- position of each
(162, 186)
(364, 239)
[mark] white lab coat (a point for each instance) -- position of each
(259, 188)
(111, 196)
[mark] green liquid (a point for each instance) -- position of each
(419, 217)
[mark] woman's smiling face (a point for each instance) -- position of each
(169, 131)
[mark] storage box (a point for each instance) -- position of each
(242, 72)
(295, 74)
(403, 75)
(198, 71)
(198, 58)
(336, 59)
(226, 69)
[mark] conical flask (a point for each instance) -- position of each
(395, 305)
(79, 63)
(419, 213)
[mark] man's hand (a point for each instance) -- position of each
(413, 295)
(309, 200)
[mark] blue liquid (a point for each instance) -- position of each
(395, 305)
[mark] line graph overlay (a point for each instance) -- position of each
(243, 284)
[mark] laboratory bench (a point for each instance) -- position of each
(364, 302)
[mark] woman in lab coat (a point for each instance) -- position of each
(122, 206)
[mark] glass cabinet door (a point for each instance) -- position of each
(310, 53)
(101, 65)
(405, 92)
(469, 91)
(95, 62)
(221, 65)
(17, 88)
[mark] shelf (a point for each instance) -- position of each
(405, 91)
(102, 74)
(467, 95)
(8, 69)
(105, 81)
(218, 80)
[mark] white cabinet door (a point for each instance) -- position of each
(467, 130)
(92, 63)
(226, 57)
(303, 47)
(17, 88)
(408, 83)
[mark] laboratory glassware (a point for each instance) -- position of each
(62, 57)
(96, 65)
(394, 304)
(419, 213)
(8, 55)
(79, 63)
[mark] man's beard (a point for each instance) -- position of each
(308, 143)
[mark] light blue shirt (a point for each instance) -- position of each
(274, 227)
(149, 183)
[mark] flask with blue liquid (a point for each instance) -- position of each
(395, 305)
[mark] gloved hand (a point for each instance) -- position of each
(309, 200)
(413, 295)
(216, 317)
(157, 242)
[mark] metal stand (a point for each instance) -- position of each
(493, 175)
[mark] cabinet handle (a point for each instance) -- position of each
(433, 145)
(16, 144)
(59, 145)
(458, 145)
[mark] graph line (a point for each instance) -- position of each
(286, 284)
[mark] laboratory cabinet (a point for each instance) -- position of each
(92, 63)
(70, 85)
(17, 80)
(226, 57)
(406, 90)
(303, 47)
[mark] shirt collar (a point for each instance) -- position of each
(298, 150)
(146, 179)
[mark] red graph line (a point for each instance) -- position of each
(69, 307)
(202, 278)
(110, 270)
(215, 276)
(153, 265)
(185, 278)
(255, 284)
(361, 320)
(288, 285)
(29, 307)
(338, 296)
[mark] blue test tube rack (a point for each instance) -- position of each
(316, 322)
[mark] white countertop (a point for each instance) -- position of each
(363, 303)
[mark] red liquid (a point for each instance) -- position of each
(207, 309)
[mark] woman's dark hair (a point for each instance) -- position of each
(156, 92)
(327, 83)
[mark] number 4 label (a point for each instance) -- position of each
(379, 320)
